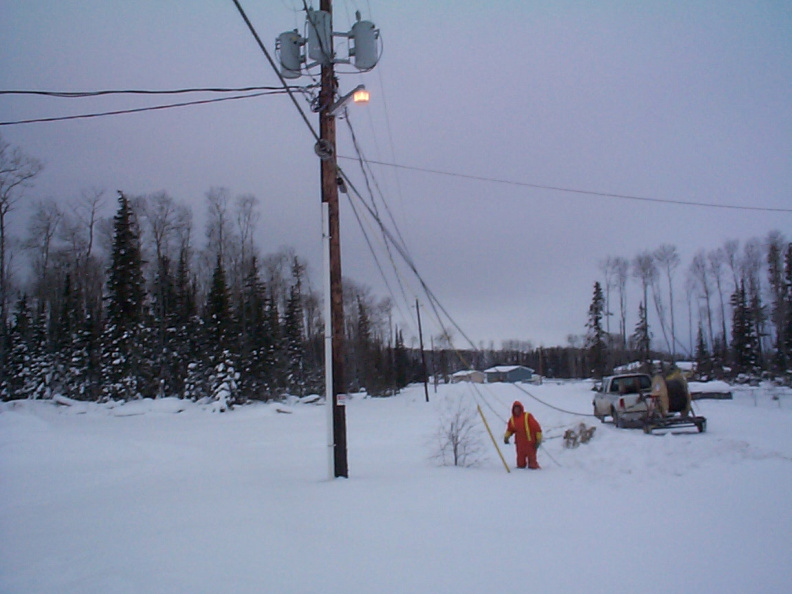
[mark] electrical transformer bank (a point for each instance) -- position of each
(315, 47)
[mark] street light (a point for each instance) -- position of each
(359, 95)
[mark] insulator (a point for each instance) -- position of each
(323, 149)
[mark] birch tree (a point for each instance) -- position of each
(715, 262)
(645, 271)
(668, 260)
(17, 172)
(622, 268)
(698, 270)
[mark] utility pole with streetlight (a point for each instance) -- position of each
(363, 55)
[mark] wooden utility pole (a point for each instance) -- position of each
(329, 176)
(423, 355)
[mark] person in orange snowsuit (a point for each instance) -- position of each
(527, 435)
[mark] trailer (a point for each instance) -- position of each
(669, 406)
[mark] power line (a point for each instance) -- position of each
(437, 308)
(103, 92)
(361, 160)
(137, 109)
(285, 85)
(574, 190)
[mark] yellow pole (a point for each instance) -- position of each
(492, 437)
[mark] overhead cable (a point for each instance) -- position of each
(103, 92)
(274, 66)
(436, 306)
(366, 176)
(137, 109)
(575, 190)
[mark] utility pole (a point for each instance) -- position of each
(294, 62)
(423, 355)
(329, 177)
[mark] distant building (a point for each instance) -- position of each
(509, 374)
(468, 375)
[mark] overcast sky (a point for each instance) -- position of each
(675, 100)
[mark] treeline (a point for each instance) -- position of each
(737, 310)
(155, 318)
(96, 307)
(127, 306)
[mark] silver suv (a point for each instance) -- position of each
(622, 397)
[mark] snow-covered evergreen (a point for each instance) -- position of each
(223, 384)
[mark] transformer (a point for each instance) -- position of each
(365, 49)
(290, 43)
(319, 36)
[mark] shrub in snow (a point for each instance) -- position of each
(458, 436)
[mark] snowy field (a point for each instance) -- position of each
(139, 499)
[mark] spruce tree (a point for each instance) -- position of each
(758, 316)
(165, 324)
(642, 337)
(294, 342)
(124, 367)
(401, 361)
(273, 346)
(220, 353)
(703, 360)
(744, 336)
(217, 313)
(82, 369)
(254, 342)
(223, 383)
(188, 339)
(44, 373)
(775, 265)
(787, 322)
(595, 335)
(360, 368)
(16, 382)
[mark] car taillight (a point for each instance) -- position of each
(621, 402)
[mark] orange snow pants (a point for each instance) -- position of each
(526, 455)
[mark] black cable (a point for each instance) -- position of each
(433, 301)
(363, 161)
(547, 404)
(575, 191)
(402, 251)
(285, 85)
(137, 109)
(359, 152)
(371, 248)
(103, 92)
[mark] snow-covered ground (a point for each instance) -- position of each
(136, 498)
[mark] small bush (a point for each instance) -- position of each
(458, 436)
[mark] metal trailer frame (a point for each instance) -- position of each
(659, 423)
